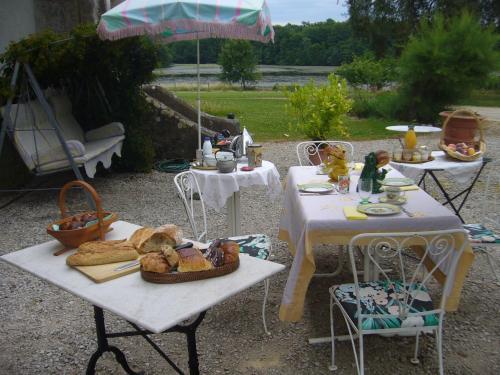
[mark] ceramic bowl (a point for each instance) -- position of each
(209, 161)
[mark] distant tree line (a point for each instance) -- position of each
(321, 43)
(385, 25)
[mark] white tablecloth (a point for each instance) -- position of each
(310, 220)
(460, 171)
(217, 187)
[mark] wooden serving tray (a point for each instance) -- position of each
(431, 158)
(183, 277)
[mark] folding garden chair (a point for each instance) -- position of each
(398, 303)
(255, 245)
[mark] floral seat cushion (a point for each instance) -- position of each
(478, 233)
(255, 245)
(385, 299)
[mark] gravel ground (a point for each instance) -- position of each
(47, 330)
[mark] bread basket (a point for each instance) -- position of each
(476, 136)
(72, 238)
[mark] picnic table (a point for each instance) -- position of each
(319, 219)
(149, 308)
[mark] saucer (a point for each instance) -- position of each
(400, 200)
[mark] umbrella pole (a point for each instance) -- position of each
(198, 99)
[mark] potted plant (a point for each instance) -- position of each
(318, 109)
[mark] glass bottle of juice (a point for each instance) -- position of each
(411, 137)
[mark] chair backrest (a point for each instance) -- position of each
(190, 194)
(490, 217)
(308, 153)
(63, 111)
(414, 259)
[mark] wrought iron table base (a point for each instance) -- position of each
(102, 343)
(449, 200)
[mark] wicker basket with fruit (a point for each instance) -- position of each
(469, 150)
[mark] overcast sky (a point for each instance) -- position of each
(297, 11)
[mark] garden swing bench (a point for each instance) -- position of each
(47, 136)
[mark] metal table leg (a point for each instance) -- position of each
(233, 215)
(188, 329)
(103, 346)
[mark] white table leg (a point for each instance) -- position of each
(233, 215)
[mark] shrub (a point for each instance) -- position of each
(381, 104)
(319, 109)
(443, 62)
(365, 70)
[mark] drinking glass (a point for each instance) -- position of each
(365, 186)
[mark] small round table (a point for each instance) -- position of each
(223, 189)
(417, 128)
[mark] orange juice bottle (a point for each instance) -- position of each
(411, 137)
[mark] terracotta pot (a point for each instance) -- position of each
(460, 128)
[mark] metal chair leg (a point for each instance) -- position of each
(415, 359)
(439, 343)
(266, 291)
(332, 366)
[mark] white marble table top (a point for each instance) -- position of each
(418, 128)
(155, 307)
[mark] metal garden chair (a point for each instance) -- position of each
(308, 153)
(255, 245)
(399, 303)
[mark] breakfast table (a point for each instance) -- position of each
(309, 220)
(463, 173)
(149, 308)
(223, 189)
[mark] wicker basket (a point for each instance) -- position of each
(183, 277)
(72, 238)
(478, 141)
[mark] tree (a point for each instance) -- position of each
(238, 62)
(387, 24)
(443, 62)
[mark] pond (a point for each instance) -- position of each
(184, 75)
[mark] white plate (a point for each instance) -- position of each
(379, 209)
(397, 182)
(318, 188)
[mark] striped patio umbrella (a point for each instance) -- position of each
(189, 20)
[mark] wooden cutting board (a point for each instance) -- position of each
(106, 272)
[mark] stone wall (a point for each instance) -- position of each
(175, 135)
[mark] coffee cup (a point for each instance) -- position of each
(393, 193)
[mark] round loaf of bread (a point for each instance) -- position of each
(231, 251)
(155, 262)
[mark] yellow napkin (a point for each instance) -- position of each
(406, 188)
(351, 213)
(358, 166)
(411, 187)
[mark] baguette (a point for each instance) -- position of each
(102, 252)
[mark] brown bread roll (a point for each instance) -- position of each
(155, 262)
(231, 251)
(192, 260)
(148, 240)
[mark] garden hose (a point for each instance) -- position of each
(172, 165)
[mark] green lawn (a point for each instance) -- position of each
(264, 115)
(485, 98)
